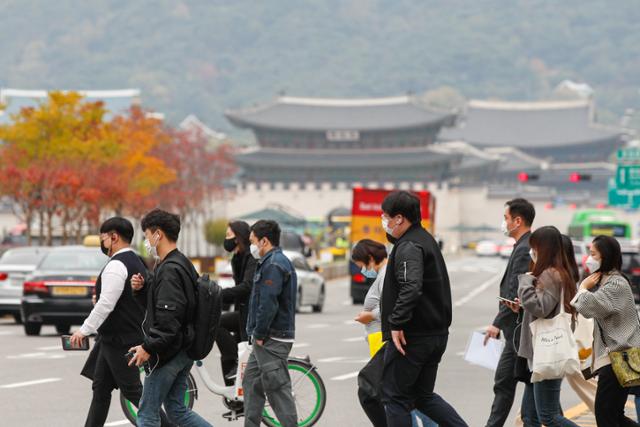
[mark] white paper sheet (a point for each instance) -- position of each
(479, 354)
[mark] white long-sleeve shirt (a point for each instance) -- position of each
(113, 279)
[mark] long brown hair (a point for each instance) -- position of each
(547, 242)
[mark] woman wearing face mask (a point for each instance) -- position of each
(541, 293)
(606, 297)
(371, 257)
(243, 266)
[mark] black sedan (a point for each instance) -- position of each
(60, 290)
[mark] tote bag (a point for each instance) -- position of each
(555, 351)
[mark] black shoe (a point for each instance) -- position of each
(232, 373)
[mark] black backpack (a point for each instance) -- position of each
(206, 303)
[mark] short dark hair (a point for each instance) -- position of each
(366, 249)
(121, 226)
(242, 231)
(610, 254)
(167, 222)
(403, 203)
(522, 208)
(269, 229)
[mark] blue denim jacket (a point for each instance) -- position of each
(272, 306)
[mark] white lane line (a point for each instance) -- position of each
(301, 345)
(353, 339)
(53, 347)
(28, 383)
(26, 355)
(118, 423)
(477, 291)
(331, 359)
(347, 302)
(318, 325)
(7, 333)
(346, 376)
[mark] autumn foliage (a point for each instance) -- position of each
(68, 164)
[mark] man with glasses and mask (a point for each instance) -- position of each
(270, 328)
(415, 314)
(518, 219)
(116, 318)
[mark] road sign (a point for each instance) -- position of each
(628, 177)
(624, 198)
(629, 156)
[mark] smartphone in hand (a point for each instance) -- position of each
(67, 346)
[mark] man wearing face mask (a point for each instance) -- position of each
(416, 314)
(116, 318)
(518, 219)
(167, 326)
(271, 329)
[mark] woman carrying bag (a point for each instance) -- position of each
(543, 294)
(606, 297)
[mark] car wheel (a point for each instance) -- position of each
(17, 318)
(32, 328)
(63, 329)
(318, 307)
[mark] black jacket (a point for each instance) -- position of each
(243, 266)
(169, 314)
(416, 296)
(519, 263)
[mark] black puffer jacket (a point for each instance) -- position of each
(243, 266)
(169, 314)
(416, 296)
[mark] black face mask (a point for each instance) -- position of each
(229, 244)
(103, 248)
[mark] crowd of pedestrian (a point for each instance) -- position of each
(407, 313)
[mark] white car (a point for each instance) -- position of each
(507, 247)
(311, 286)
(15, 265)
(487, 248)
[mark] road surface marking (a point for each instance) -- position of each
(460, 353)
(353, 339)
(26, 355)
(331, 359)
(53, 347)
(7, 333)
(118, 423)
(28, 383)
(318, 325)
(346, 376)
(477, 291)
(347, 302)
(301, 345)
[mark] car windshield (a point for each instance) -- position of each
(21, 257)
(71, 260)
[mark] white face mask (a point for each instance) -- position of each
(151, 250)
(255, 251)
(533, 255)
(505, 229)
(385, 226)
(592, 264)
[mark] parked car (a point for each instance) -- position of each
(311, 286)
(631, 266)
(487, 248)
(15, 265)
(507, 247)
(581, 250)
(59, 290)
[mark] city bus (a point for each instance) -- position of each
(589, 223)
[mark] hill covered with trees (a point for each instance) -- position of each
(205, 56)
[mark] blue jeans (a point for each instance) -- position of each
(167, 385)
(541, 405)
(426, 421)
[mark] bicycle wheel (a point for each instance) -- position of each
(131, 412)
(309, 394)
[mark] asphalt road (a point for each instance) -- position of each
(40, 384)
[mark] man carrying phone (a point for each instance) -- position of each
(518, 219)
(116, 318)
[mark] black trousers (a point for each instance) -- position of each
(228, 343)
(610, 400)
(408, 383)
(504, 384)
(111, 372)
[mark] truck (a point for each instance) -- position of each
(366, 223)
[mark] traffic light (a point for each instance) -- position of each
(577, 177)
(525, 177)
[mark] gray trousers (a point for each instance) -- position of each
(267, 375)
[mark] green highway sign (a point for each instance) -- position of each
(628, 177)
(629, 156)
